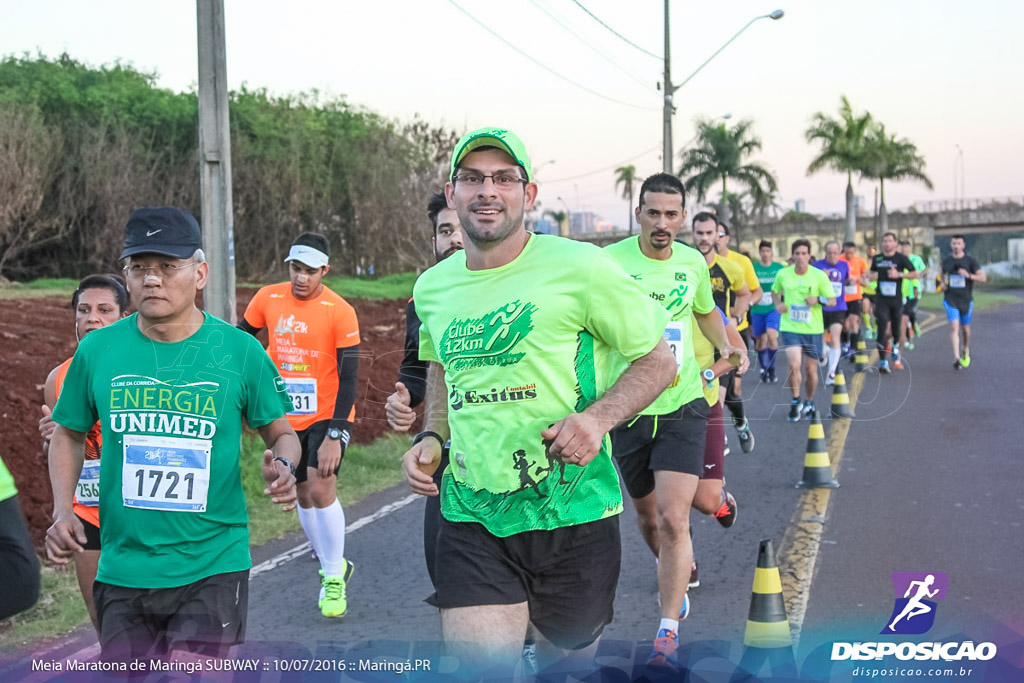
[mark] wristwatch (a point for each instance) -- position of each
(334, 433)
(286, 461)
(709, 376)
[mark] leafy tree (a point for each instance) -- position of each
(720, 154)
(842, 143)
(887, 157)
(626, 178)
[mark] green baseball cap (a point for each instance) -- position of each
(492, 137)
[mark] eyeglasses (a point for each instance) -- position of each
(503, 181)
(163, 271)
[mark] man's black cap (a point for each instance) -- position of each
(164, 230)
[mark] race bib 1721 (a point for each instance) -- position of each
(165, 473)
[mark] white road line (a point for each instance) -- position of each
(302, 549)
(263, 567)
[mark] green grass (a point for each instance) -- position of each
(932, 301)
(60, 609)
(387, 287)
(38, 288)
(366, 469)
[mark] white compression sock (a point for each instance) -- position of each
(308, 520)
(833, 360)
(331, 527)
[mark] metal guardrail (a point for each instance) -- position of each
(969, 204)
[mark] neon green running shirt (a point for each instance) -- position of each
(682, 284)
(523, 345)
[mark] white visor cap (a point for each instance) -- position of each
(314, 258)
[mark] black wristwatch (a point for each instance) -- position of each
(286, 461)
(422, 435)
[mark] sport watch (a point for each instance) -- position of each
(334, 433)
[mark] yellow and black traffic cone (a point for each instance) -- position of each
(841, 397)
(817, 468)
(767, 636)
(767, 623)
(860, 358)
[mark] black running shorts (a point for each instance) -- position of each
(310, 439)
(566, 575)
(672, 442)
(854, 307)
(830, 318)
(205, 617)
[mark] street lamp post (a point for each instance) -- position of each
(670, 89)
(536, 169)
(958, 165)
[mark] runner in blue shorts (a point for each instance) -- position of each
(764, 319)
(959, 273)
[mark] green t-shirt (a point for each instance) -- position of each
(172, 509)
(7, 487)
(766, 276)
(801, 318)
(682, 285)
(523, 345)
(907, 289)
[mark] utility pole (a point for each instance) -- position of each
(215, 162)
(666, 85)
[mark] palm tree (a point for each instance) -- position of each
(842, 149)
(626, 177)
(719, 154)
(764, 204)
(887, 157)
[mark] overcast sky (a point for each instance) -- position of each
(939, 72)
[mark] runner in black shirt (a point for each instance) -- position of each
(889, 268)
(412, 375)
(959, 273)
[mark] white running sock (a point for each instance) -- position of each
(833, 360)
(308, 520)
(670, 625)
(331, 527)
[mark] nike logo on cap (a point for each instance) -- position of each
(150, 234)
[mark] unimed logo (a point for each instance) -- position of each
(913, 613)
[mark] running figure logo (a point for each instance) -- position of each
(914, 612)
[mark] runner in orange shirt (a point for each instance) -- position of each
(99, 301)
(854, 297)
(314, 342)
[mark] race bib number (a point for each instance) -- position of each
(674, 339)
(165, 473)
(799, 314)
(850, 289)
(837, 288)
(957, 281)
(302, 392)
(766, 299)
(87, 491)
(887, 288)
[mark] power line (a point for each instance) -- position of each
(616, 33)
(545, 67)
(601, 170)
(645, 84)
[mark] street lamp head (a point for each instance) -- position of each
(777, 14)
(727, 115)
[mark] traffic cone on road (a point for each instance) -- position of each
(817, 468)
(841, 397)
(860, 358)
(767, 623)
(767, 637)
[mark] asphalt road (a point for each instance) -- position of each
(930, 477)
